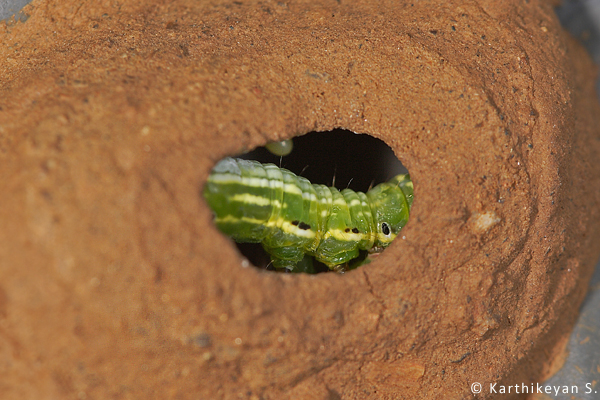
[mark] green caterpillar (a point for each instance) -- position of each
(262, 203)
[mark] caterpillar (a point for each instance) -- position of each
(262, 203)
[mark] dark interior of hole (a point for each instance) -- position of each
(353, 161)
(356, 161)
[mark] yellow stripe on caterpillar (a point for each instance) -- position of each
(280, 223)
(254, 199)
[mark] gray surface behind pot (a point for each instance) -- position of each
(8, 8)
(581, 371)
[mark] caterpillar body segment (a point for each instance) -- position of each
(262, 203)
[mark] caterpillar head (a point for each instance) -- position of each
(391, 203)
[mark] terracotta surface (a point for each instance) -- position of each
(115, 284)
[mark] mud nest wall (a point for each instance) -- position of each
(115, 283)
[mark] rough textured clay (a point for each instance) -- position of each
(114, 283)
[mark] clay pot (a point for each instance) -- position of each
(115, 283)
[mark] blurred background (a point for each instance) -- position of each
(347, 167)
(10, 8)
(582, 19)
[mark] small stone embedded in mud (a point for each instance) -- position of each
(482, 222)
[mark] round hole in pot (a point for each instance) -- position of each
(339, 159)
